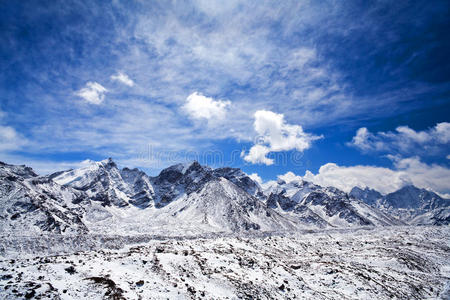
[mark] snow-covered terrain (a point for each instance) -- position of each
(388, 263)
(197, 232)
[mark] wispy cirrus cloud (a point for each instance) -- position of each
(11, 139)
(123, 78)
(315, 63)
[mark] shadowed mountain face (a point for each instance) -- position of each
(411, 197)
(100, 197)
(367, 195)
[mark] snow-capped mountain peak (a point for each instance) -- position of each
(101, 197)
(368, 195)
(102, 181)
(241, 179)
(410, 204)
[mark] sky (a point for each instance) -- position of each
(341, 93)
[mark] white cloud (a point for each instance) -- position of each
(289, 177)
(240, 59)
(198, 106)
(255, 177)
(385, 180)
(404, 140)
(302, 56)
(93, 93)
(173, 50)
(275, 135)
(123, 78)
(257, 154)
(10, 139)
(442, 132)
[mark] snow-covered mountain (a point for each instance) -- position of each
(104, 182)
(240, 179)
(411, 204)
(324, 206)
(184, 198)
(30, 203)
(191, 199)
(411, 197)
(368, 195)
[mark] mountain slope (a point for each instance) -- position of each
(411, 197)
(369, 196)
(240, 179)
(328, 206)
(413, 205)
(223, 206)
(31, 204)
(191, 198)
(104, 182)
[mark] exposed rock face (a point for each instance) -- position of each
(140, 189)
(178, 180)
(102, 182)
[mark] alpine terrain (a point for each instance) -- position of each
(196, 232)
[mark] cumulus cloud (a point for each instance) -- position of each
(93, 93)
(404, 140)
(258, 154)
(289, 177)
(275, 135)
(10, 139)
(385, 180)
(198, 106)
(255, 177)
(123, 78)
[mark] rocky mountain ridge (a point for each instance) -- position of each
(413, 205)
(184, 198)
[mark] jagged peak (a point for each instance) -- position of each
(412, 189)
(107, 163)
(365, 189)
(193, 165)
(20, 170)
(184, 168)
(135, 170)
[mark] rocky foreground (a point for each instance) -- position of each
(380, 263)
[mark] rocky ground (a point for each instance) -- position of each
(388, 263)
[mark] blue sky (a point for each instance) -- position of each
(341, 93)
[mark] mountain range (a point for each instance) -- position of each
(413, 205)
(191, 199)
